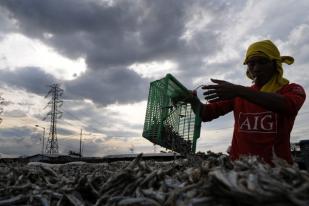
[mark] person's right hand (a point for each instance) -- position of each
(221, 90)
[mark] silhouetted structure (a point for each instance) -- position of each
(55, 103)
(1, 108)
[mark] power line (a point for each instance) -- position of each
(85, 124)
(75, 118)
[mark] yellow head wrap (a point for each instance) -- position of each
(268, 49)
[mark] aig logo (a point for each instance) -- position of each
(265, 122)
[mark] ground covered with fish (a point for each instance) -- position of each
(210, 179)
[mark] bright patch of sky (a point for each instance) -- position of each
(22, 106)
(154, 69)
(17, 50)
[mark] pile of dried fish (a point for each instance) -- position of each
(210, 179)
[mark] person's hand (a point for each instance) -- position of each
(185, 97)
(221, 90)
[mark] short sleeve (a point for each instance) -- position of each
(214, 110)
(295, 96)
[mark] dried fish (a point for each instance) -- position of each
(75, 199)
(201, 179)
(13, 200)
(138, 201)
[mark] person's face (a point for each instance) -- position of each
(261, 69)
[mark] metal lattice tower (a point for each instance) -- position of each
(55, 103)
(1, 108)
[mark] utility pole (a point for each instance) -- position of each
(80, 143)
(43, 137)
(55, 103)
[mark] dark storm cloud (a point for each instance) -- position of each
(119, 34)
(5, 23)
(126, 32)
(110, 38)
(153, 33)
(31, 79)
(108, 86)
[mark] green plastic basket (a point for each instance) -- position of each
(169, 123)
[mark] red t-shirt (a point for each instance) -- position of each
(258, 131)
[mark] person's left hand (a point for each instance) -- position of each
(221, 90)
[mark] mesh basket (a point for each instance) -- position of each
(170, 122)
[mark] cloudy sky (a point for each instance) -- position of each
(104, 54)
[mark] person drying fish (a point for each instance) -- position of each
(265, 112)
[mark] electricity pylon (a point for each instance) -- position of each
(1, 108)
(55, 103)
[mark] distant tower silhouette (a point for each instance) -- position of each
(1, 108)
(55, 103)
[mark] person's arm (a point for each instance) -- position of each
(196, 104)
(223, 90)
(272, 101)
(211, 111)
